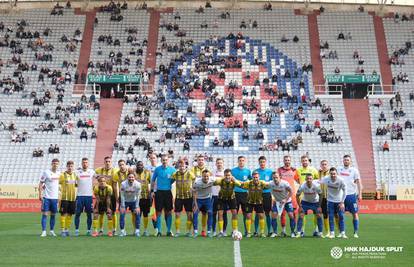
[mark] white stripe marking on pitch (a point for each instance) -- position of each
(237, 255)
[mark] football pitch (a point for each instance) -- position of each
(20, 245)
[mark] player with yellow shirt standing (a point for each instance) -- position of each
(67, 183)
(121, 174)
(145, 202)
(109, 172)
(184, 197)
(103, 195)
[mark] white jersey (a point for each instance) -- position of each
(310, 194)
(349, 175)
(216, 189)
(85, 182)
(336, 190)
(51, 184)
(130, 192)
(152, 169)
(204, 190)
(280, 191)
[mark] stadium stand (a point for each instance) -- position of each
(39, 52)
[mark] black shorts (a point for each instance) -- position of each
(163, 200)
(67, 207)
(324, 207)
(226, 204)
(145, 206)
(102, 208)
(267, 202)
(241, 201)
(183, 203)
(258, 208)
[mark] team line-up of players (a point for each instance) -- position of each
(328, 193)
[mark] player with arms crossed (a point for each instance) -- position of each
(310, 201)
(103, 195)
(227, 199)
(130, 194)
(282, 194)
(202, 201)
(67, 182)
(352, 179)
(255, 189)
(84, 196)
(144, 177)
(49, 195)
(184, 196)
(336, 194)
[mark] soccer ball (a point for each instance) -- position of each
(237, 236)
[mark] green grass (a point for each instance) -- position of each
(20, 245)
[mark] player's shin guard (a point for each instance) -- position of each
(262, 225)
(177, 223)
(114, 221)
(234, 224)
(96, 225)
(68, 222)
(283, 219)
(110, 225)
(158, 225)
(300, 224)
(195, 221)
(133, 219)
(203, 221)
(256, 223)
(145, 219)
(169, 222)
(137, 222)
(341, 221)
(268, 223)
(319, 222)
(356, 225)
(101, 220)
(89, 221)
(62, 222)
(122, 221)
(274, 225)
(209, 221)
(292, 224)
(220, 226)
(331, 222)
(326, 225)
(43, 222)
(214, 221)
(52, 222)
(189, 225)
(225, 221)
(77, 220)
(248, 225)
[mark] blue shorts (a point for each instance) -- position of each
(84, 203)
(288, 207)
(351, 203)
(131, 206)
(49, 205)
(205, 205)
(306, 206)
(333, 208)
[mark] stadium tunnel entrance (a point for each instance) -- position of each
(350, 90)
(117, 90)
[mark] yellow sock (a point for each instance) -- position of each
(133, 216)
(110, 225)
(248, 225)
(234, 224)
(204, 222)
(145, 223)
(221, 224)
(68, 221)
(101, 219)
(114, 221)
(189, 225)
(326, 225)
(304, 224)
(177, 223)
(62, 222)
(262, 225)
(95, 224)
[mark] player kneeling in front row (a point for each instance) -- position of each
(336, 196)
(282, 194)
(202, 195)
(103, 193)
(310, 201)
(130, 193)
